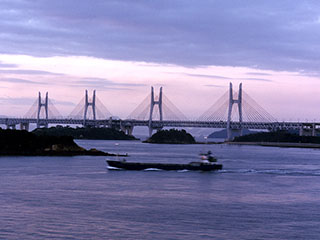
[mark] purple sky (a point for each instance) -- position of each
(191, 48)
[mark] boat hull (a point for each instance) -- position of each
(194, 166)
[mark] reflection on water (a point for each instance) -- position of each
(262, 193)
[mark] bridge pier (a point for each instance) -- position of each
(150, 131)
(308, 129)
(127, 130)
(232, 132)
(42, 123)
(110, 122)
(154, 127)
(24, 126)
(126, 127)
(11, 126)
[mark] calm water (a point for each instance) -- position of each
(262, 193)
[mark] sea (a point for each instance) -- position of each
(261, 193)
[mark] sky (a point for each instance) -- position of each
(193, 49)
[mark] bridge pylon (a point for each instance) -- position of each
(88, 104)
(152, 104)
(44, 104)
(230, 129)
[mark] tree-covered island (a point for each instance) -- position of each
(23, 143)
(84, 133)
(278, 138)
(172, 136)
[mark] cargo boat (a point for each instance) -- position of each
(194, 166)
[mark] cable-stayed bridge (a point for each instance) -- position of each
(234, 111)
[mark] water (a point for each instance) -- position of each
(262, 193)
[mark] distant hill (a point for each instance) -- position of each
(223, 133)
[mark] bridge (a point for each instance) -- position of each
(234, 111)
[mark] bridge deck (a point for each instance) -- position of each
(159, 124)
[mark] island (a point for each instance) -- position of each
(223, 133)
(279, 138)
(23, 143)
(172, 136)
(84, 133)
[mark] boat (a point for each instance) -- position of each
(203, 165)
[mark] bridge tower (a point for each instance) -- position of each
(87, 105)
(42, 122)
(231, 129)
(153, 103)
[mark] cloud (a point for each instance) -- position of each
(254, 79)
(207, 76)
(276, 35)
(7, 65)
(59, 102)
(29, 72)
(259, 74)
(214, 86)
(226, 78)
(28, 101)
(17, 101)
(18, 80)
(104, 84)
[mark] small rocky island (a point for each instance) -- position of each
(84, 133)
(172, 136)
(23, 143)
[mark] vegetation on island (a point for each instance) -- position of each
(23, 143)
(223, 133)
(277, 136)
(84, 133)
(172, 136)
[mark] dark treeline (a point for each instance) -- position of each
(278, 136)
(84, 133)
(172, 136)
(23, 143)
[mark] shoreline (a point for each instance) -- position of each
(277, 144)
